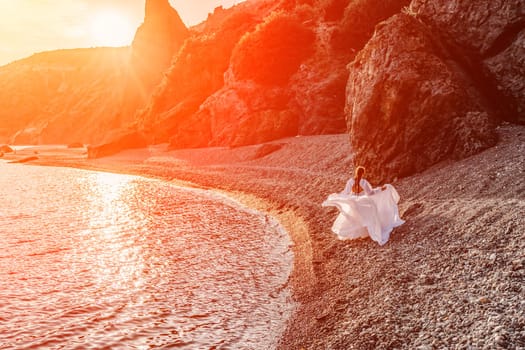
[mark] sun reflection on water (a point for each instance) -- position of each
(121, 261)
(114, 233)
(109, 187)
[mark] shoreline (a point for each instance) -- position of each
(293, 225)
(160, 242)
(452, 275)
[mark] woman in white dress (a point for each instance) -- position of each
(365, 211)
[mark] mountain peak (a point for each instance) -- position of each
(160, 36)
(156, 8)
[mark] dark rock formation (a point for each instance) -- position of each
(489, 35)
(117, 144)
(286, 77)
(24, 160)
(244, 114)
(318, 87)
(409, 105)
(358, 21)
(266, 149)
(478, 26)
(6, 149)
(507, 72)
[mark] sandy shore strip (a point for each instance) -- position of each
(451, 277)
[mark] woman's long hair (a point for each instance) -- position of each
(359, 172)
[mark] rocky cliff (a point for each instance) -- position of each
(417, 82)
(263, 70)
(488, 39)
(412, 82)
(409, 105)
(156, 41)
(432, 83)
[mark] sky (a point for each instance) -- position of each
(29, 26)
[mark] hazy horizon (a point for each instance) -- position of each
(30, 26)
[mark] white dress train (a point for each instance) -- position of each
(372, 212)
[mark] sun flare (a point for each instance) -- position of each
(110, 28)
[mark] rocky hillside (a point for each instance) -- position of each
(87, 95)
(434, 81)
(413, 82)
(62, 96)
(263, 70)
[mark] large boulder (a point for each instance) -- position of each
(244, 114)
(409, 105)
(490, 34)
(118, 143)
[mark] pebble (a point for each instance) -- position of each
(517, 265)
(483, 300)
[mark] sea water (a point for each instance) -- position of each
(92, 260)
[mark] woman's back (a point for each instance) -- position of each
(358, 188)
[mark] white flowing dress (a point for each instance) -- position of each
(373, 212)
